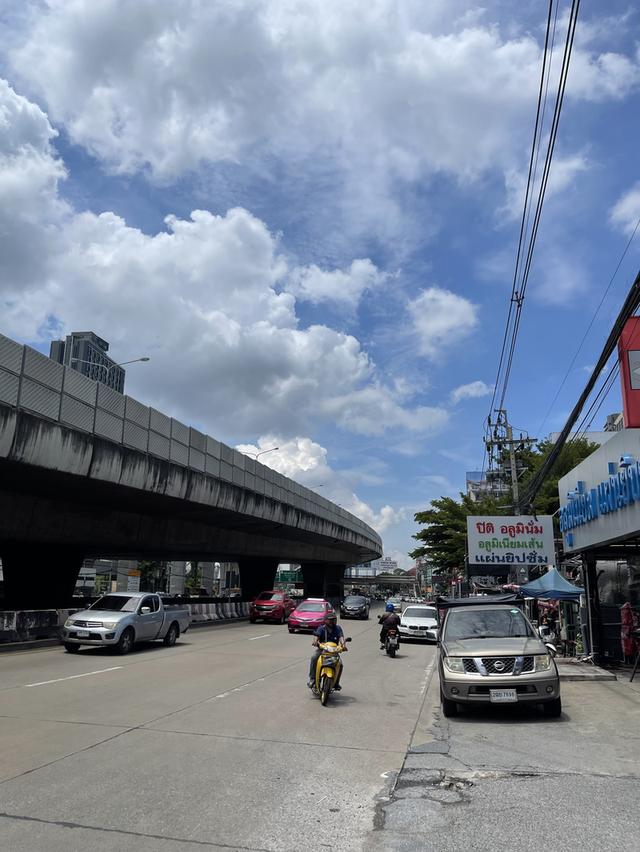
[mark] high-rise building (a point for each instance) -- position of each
(85, 352)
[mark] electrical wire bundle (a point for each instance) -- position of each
(528, 226)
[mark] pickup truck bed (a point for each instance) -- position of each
(121, 619)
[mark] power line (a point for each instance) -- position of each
(631, 304)
(541, 103)
(564, 71)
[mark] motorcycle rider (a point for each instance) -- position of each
(389, 619)
(330, 631)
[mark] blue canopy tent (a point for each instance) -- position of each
(552, 586)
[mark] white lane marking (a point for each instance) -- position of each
(73, 677)
(264, 636)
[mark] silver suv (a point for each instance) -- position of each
(491, 654)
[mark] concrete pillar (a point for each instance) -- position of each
(592, 627)
(323, 580)
(40, 576)
(257, 575)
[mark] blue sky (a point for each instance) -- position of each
(358, 169)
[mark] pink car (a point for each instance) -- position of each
(309, 615)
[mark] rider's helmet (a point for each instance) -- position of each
(389, 607)
(330, 618)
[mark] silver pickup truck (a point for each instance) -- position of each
(121, 619)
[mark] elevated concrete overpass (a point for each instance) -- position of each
(86, 471)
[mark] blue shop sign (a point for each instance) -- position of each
(611, 495)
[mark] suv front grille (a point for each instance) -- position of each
(528, 664)
(499, 665)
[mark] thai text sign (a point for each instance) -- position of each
(510, 540)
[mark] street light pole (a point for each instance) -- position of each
(104, 366)
(261, 453)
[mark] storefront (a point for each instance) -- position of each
(600, 524)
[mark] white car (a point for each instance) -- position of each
(419, 621)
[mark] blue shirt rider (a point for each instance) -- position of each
(330, 631)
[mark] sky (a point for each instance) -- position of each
(306, 215)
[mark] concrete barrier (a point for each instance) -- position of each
(27, 625)
(33, 624)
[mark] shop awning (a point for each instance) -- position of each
(552, 586)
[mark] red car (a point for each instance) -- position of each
(309, 614)
(271, 606)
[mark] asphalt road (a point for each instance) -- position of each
(218, 744)
(214, 744)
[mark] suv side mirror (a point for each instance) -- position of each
(145, 610)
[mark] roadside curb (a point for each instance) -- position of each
(29, 645)
(583, 672)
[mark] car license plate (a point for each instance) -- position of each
(83, 634)
(502, 695)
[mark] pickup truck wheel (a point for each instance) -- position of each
(552, 709)
(71, 648)
(172, 635)
(125, 643)
(449, 708)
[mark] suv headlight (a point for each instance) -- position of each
(542, 662)
(69, 622)
(110, 625)
(454, 664)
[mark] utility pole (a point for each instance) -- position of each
(499, 441)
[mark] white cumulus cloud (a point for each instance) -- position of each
(342, 287)
(626, 211)
(472, 390)
(441, 318)
(203, 298)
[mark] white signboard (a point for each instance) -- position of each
(133, 581)
(512, 541)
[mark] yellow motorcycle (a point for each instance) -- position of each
(328, 669)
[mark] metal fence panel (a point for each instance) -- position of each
(196, 459)
(9, 387)
(226, 454)
(37, 366)
(160, 423)
(179, 453)
(77, 414)
(136, 412)
(79, 386)
(135, 436)
(212, 465)
(39, 399)
(226, 471)
(179, 432)
(10, 354)
(238, 476)
(213, 447)
(108, 425)
(197, 440)
(158, 445)
(110, 400)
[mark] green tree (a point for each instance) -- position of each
(193, 581)
(547, 500)
(153, 575)
(444, 534)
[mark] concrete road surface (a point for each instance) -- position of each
(214, 744)
(218, 744)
